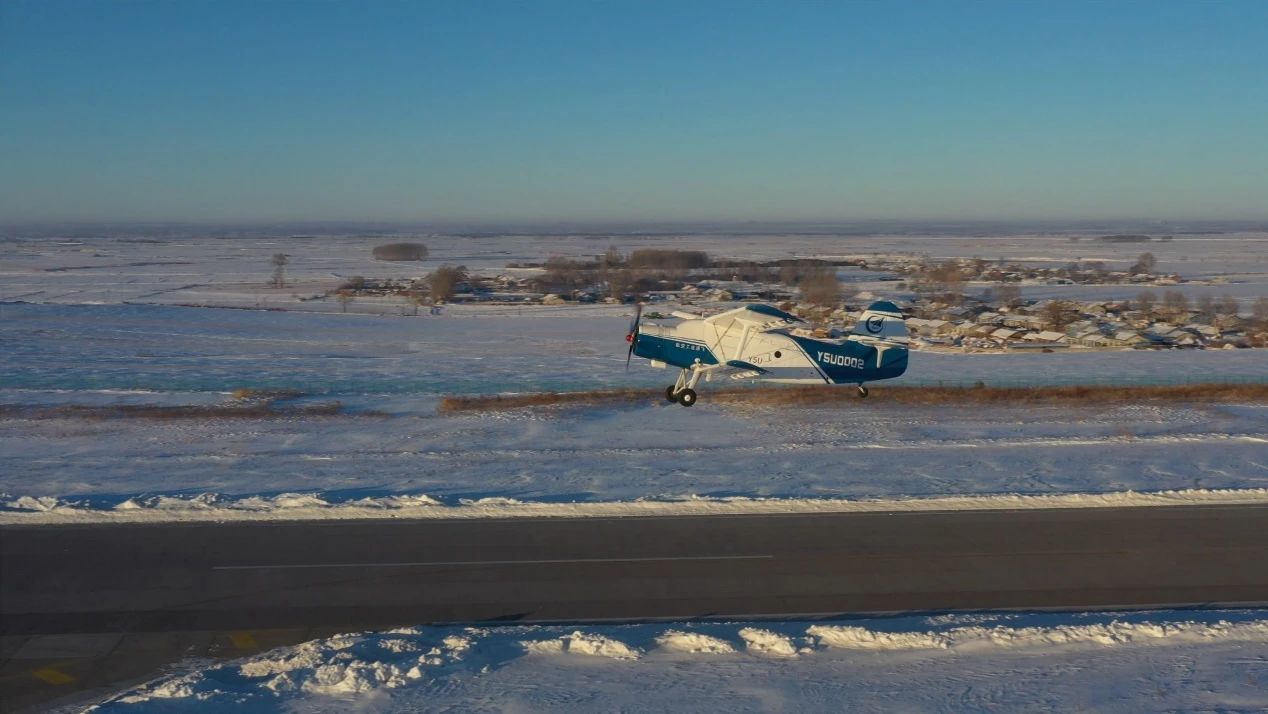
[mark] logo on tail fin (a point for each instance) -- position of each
(875, 324)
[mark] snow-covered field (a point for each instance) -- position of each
(658, 451)
(1157, 661)
(388, 373)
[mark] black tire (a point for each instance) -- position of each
(862, 392)
(687, 397)
(669, 394)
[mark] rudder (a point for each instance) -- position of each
(882, 320)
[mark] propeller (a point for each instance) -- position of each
(632, 336)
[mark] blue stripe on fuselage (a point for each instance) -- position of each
(673, 350)
(850, 362)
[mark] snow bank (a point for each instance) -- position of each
(449, 660)
(583, 643)
(1112, 633)
(861, 638)
(28, 510)
(765, 642)
(693, 643)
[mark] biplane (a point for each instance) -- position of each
(763, 342)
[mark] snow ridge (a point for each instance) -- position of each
(359, 664)
(30, 510)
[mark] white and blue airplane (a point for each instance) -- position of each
(762, 342)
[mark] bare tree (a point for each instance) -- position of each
(613, 273)
(1059, 314)
(1145, 302)
(444, 280)
(954, 285)
(611, 259)
(789, 274)
(1007, 295)
(345, 298)
(414, 298)
(620, 282)
(279, 261)
(821, 287)
(1174, 304)
(1206, 306)
(1144, 264)
(562, 274)
(1259, 312)
(1228, 305)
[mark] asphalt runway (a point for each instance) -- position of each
(381, 573)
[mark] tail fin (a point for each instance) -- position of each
(882, 320)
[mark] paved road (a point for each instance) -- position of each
(360, 574)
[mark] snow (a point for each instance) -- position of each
(584, 643)
(693, 643)
(405, 459)
(185, 321)
(308, 507)
(767, 643)
(233, 270)
(1175, 660)
(121, 353)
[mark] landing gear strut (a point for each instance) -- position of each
(862, 392)
(684, 390)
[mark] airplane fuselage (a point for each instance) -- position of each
(777, 355)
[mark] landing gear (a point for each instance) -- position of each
(684, 390)
(862, 392)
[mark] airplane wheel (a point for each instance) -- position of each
(687, 397)
(669, 394)
(862, 392)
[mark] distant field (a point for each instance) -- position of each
(236, 271)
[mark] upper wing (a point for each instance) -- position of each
(759, 317)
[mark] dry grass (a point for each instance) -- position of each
(257, 394)
(493, 402)
(254, 410)
(846, 395)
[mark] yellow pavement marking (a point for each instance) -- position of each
(243, 640)
(53, 676)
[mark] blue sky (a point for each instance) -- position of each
(546, 111)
